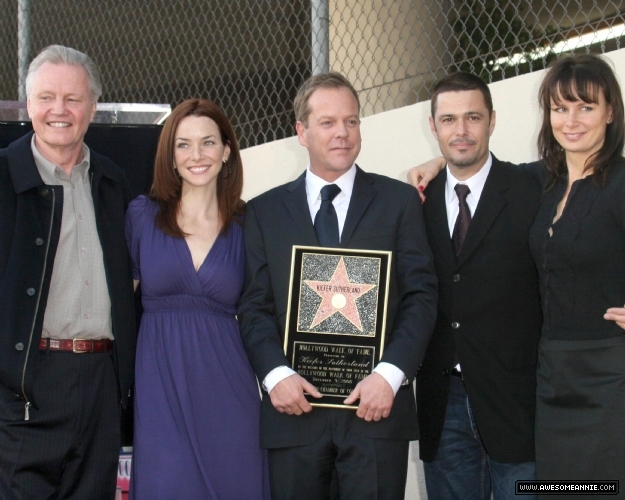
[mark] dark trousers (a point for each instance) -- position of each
(462, 468)
(69, 448)
(366, 469)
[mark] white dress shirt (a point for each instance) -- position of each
(476, 186)
(393, 375)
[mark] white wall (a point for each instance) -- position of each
(394, 141)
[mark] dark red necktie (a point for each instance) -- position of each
(463, 220)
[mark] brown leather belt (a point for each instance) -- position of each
(77, 346)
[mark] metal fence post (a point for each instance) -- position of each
(320, 36)
(23, 44)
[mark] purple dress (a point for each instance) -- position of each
(197, 404)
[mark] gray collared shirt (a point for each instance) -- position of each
(79, 305)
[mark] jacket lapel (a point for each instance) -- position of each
(22, 168)
(297, 205)
(435, 211)
(490, 205)
(362, 195)
(25, 176)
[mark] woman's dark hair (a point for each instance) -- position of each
(167, 186)
(582, 77)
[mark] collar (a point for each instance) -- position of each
(314, 184)
(51, 173)
(475, 182)
(24, 172)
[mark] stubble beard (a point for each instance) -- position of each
(464, 162)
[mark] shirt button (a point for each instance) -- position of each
(86, 316)
(19, 346)
(30, 291)
(39, 242)
(45, 192)
(455, 325)
(87, 282)
(83, 249)
(445, 371)
(456, 278)
(80, 217)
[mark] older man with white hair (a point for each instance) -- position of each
(67, 333)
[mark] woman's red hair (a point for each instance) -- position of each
(167, 187)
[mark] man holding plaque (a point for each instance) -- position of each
(335, 204)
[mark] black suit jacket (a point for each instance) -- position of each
(383, 214)
(490, 293)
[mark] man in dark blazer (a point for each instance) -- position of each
(367, 447)
(67, 326)
(476, 386)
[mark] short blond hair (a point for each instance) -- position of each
(330, 80)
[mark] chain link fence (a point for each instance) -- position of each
(250, 56)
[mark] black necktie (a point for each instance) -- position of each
(326, 222)
(463, 220)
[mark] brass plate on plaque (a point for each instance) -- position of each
(336, 317)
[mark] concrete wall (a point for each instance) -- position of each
(396, 140)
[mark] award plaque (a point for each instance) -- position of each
(336, 318)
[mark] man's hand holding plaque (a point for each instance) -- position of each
(376, 398)
(375, 394)
(288, 395)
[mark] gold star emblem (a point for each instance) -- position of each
(338, 296)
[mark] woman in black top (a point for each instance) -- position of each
(578, 243)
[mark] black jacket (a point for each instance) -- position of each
(30, 222)
(383, 214)
(489, 312)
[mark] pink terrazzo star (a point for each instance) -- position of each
(339, 295)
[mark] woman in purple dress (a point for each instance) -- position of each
(197, 404)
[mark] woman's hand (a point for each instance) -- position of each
(420, 176)
(616, 314)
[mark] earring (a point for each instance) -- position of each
(177, 173)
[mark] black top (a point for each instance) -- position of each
(582, 266)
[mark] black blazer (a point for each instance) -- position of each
(383, 214)
(490, 294)
(30, 223)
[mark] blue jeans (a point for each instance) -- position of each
(462, 468)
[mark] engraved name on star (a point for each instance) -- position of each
(338, 295)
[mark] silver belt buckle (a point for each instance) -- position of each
(83, 350)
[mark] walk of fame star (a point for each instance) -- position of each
(338, 295)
